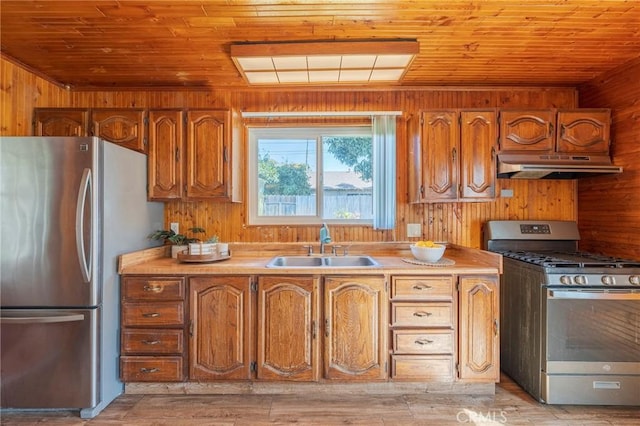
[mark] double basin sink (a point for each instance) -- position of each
(322, 262)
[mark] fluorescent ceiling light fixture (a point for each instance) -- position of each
(345, 62)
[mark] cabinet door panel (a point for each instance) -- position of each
(422, 288)
(165, 154)
(220, 328)
(355, 339)
(150, 341)
(287, 328)
(527, 130)
(61, 122)
(207, 152)
(584, 131)
(151, 369)
(440, 151)
(422, 314)
(122, 127)
(152, 314)
(153, 288)
(422, 367)
(478, 150)
(423, 342)
(479, 338)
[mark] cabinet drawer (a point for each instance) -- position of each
(152, 341)
(141, 288)
(432, 367)
(146, 314)
(151, 369)
(407, 314)
(422, 342)
(422, 288)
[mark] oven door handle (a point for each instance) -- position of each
(594, 294)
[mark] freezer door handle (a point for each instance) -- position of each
(43, 319)
(84, 258)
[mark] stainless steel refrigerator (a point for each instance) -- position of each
(68, 208)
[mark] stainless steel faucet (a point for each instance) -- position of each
(325, 237)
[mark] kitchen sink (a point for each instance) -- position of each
(326, 262)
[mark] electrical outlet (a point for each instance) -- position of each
(414, 230)
(175, 227)
(506, 193)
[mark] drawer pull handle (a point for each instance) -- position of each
(151, 315)
(149, 370)
(422, 287)
(422, 314)
(152, 288)
(151, 342)
(423, 342)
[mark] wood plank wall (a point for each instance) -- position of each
(459, 223)
(609, 215)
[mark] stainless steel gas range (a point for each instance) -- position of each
(570, 321)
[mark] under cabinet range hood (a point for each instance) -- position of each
(554, 166)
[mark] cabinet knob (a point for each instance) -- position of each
(423, 341)
(151, 342)
(422, 314)
(152, 288)
(149, 370)
(151, 315)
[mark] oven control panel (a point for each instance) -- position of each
(535, 229)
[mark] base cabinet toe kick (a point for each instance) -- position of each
(323, 329)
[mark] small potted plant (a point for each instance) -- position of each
(178, 242)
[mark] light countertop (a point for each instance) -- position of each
(251, 258)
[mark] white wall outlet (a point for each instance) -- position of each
(175, 227)
(506, 193)
(414, 230)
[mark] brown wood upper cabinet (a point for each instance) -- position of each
(454, 156)
(288, 328)
(60, 122)
(355, 345)
(207, 162)
(193, 156)
(125, 127)
(165, 155)
(579, 131)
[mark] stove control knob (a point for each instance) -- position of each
(565, 279)
(608, 280)
(580, 279)
(634, 279)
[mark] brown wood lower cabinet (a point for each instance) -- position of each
(152, 339)
(479, 328)
(288, 320)
(220, 328)
(423, 324)
(355, 315)
(310, 328)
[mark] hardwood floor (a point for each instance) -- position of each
(510, 406)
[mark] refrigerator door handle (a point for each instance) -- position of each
(41, 320)
(84, 259)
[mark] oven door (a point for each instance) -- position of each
(592, 346)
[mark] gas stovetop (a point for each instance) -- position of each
(585, 260)
(550, 249)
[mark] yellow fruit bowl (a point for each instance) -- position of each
(427, 252)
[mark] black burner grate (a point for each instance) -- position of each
(570, 260)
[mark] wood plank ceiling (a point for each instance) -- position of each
(159, 43)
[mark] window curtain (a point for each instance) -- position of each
(384, 171)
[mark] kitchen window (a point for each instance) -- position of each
(310, 175)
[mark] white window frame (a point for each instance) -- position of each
(259, 132)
